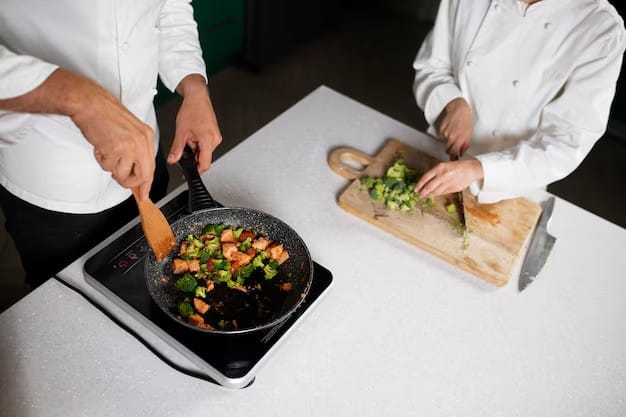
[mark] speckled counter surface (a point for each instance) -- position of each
(401, 333)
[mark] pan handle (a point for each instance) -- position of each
(199, 197)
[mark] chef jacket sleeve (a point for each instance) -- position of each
(435, 85)
(179, 49)
(569, 127)
(20, 74)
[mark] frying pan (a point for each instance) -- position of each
(276, 305)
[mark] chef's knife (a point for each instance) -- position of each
(459, 196)
(540, 246)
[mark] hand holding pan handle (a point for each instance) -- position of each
(199, 197)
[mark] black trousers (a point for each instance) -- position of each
(47, 241)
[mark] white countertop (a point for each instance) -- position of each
(401, 333)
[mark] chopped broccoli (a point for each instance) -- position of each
(245, 245)
(213, 245)
(186, 283)
(213, 229)
(185, 309)
(244, 272)
(222, 276)
(257, 262)
(396, 188)
(221, 265)
(237, 233)
(200, 292)
(271, 269)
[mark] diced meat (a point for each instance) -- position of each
(180, 266)
(241, 258)
(286, 286)
(234, 266)
(251, 252)
(261, 243)
(210, 265)
(228, 249)
(275, 251)
(206, 326)
(183, 249)
(194, 265)
(195, 319)
(200, 305)
(246, 234)
(283, 257)
(227, 236)
(205, 238)
(210, 285)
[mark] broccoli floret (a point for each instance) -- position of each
(186, 283)
(244, 272)
(221, 265)
(367, 182)
(245, 245)
(213, 245)
(200, 292)
(451, 208)
(257, 262)
(222, 276)
(237, 233)
(270, 270)
(185, 309)
(213, 229)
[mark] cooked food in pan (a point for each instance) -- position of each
(229, 277)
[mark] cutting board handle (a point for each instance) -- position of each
(337, 162)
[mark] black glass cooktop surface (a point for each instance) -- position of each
(232, 360)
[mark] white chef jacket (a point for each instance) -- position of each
(121, 45)
(539, 79)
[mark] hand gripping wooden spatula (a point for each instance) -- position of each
(155, 226)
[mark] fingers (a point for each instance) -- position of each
(176, 151)
(437, 181)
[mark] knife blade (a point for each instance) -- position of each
(539, 248)
(459, 196)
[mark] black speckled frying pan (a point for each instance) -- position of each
(252, 311)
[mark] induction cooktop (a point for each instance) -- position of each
(117, 271)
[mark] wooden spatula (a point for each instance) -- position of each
(155, 226)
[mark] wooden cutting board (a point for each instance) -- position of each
(498, 233)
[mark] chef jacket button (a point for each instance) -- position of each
(469, 63)
(124, 46)
(547, 26)
(496, 6)
(515, 83)
(154, 91)
(495, 132)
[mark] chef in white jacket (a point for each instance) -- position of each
(77, 122)
(524, 86)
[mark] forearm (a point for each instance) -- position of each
(63, 92)
(192, 85)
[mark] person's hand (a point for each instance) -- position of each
(449, 177)
(123, 144)
(196, 124)
(455, 126)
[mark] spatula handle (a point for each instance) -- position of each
(199, 196)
